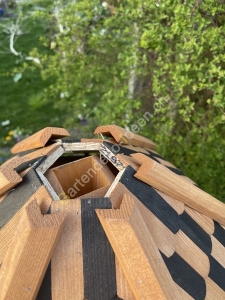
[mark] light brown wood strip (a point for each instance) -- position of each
(123, 136)
(192, 254)
(67, 259)
(27, 259)
(128, 161)
(164, 239)
(123, 289)
(9, 178)
(175, 204)
(7, 232)
(205, 222)
(218, 251)
(45, 151)
(173, 185)
(137, 253)
(39, 139)
(213, 291)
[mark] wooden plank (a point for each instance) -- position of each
(137, 253)
(124, 136)
(218, 251)
(205, 222)
(213, 291)
(128, 161)
(9, 178)
(123, 288)
(164, 239)
(30, 249)
(110, 156)
(50, 160)
(67, 259)
(173, 185)
(7, 232)
(45, 151)
(81, 147)
(98, 256)
(192, 254)
(39, 139)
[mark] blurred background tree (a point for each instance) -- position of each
(112, 61)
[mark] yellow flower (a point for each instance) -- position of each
(8, 138)
(11, 133)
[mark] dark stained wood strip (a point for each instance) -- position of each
(217, 272)
(98, 256)
(45, 291)
(219, 233)
(151, 199)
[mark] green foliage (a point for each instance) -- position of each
(113, 62)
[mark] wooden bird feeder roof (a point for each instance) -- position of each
(104, 219)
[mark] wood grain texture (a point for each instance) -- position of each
(123, 289)
(137, 253)
(173, 185)
(53, 180)
(192, 254)
(123, 136)
(7, 232)
(30, 249)
(81, 147)
(205, 222)
(39, 139)
(9, 178)
(213, 291)
(218, 251)
(175, 204)
(164, 239)
(128, 161)
(50, 160)
(67, 259)
(45, 151)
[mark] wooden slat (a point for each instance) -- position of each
(81, 147)
(7, 232)
(39, 139)
(123, 289)
(50, 160)
(213, 291)
(136, 252)
(9, 178)
(128, 161)
(29, 254)
(164, 239)
(67, 259)
(192, 254)
(45, 151)
(205, 222)
(218, 251)
(123, 136)
(173, 185)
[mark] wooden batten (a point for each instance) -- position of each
(173, 185)
(107, 154)
(213, 291)
(67, 260)
(7, 232)
(124, 136)
(123, 289)
(81, 147)
(218, 251)
(164, 239)
(205, 222)
(30, 249)
(128, 161)
(50, 160)
(83, 176)
(52, 179)
(9, 178)
(40, 139)
(45, 151)
(137, 253)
